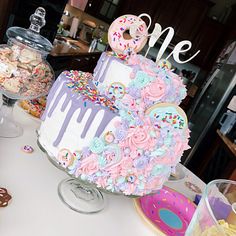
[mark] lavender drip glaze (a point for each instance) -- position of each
(51, 95)
(110, 60)
(98, 67)
(104, 57)
(77, 102)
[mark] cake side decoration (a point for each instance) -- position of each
(120, 129)
(137, 156)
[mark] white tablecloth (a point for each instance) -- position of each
(36, 210)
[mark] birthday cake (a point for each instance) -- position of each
(120, 128)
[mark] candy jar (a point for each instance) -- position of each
(24, 72)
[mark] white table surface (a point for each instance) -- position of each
(35, 208)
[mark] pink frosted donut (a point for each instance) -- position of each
(121, 25)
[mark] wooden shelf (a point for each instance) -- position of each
(230, 145)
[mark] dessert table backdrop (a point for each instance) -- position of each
(35, 208)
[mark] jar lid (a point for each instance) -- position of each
(31, 37)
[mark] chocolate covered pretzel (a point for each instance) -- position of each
(5, 197)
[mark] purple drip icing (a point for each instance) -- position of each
(98, 67)
(89, 121)
(65, 124)
(51, 95)
(104, 57)
(65, 103)
(110, 60)
(59, 96)
(77, 102)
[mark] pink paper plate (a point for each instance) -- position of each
(168, 211)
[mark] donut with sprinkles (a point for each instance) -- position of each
(122, 25)
(116, 91)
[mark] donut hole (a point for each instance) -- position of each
(126, 35)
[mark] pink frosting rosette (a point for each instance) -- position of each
(140, 138)
(155, 90)
(121, 167)
(89, 165)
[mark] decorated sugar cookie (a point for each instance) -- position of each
(168, 113)
(116, 90)
(65, 158)
(109, 137)
(171, 121)
(122, 25)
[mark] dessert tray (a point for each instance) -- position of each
(167, 212)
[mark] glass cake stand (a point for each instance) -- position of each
(79, 195)
(24, 71)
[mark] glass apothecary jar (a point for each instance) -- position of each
(24, 71)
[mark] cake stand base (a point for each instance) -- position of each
(80, 197)
(8, 127)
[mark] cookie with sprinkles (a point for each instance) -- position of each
(168, 113)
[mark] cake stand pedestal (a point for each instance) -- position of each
(9, 128)
(79, 195)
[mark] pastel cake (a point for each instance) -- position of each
(120, 128)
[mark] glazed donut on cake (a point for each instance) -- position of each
(116, 34)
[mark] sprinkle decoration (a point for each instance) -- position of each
(79, 83)
(123, 57)
(173, 119)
